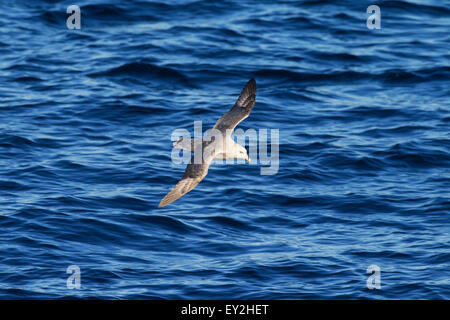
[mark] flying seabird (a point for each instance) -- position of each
(223, 147)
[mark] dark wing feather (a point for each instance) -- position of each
(240, 110)
(193, 174)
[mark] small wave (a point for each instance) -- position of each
(395, 131)
(9, 185)
(344, 57)
(416, 8)
(144, 71)
(311, 77)
(104, 15)
(385, 253)
(231, 222)
(339, 160)
(413, 155)
(165, 222)
(14, 141)
(376, 112)
(27, 79)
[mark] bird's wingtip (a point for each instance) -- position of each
(251, 85)
(160, 205)
(168, 199)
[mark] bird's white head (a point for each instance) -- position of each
(242, 153)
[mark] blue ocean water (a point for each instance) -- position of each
(86, 118)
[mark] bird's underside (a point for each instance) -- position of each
(206, 151)
(191, 144)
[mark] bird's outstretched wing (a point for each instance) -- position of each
(196, 172)
(240, 110)
(193, 174)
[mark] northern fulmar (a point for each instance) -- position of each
(220, 145)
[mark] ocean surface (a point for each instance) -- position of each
(86, 118)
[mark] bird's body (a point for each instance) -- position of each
(232, 150)
(218, 144)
